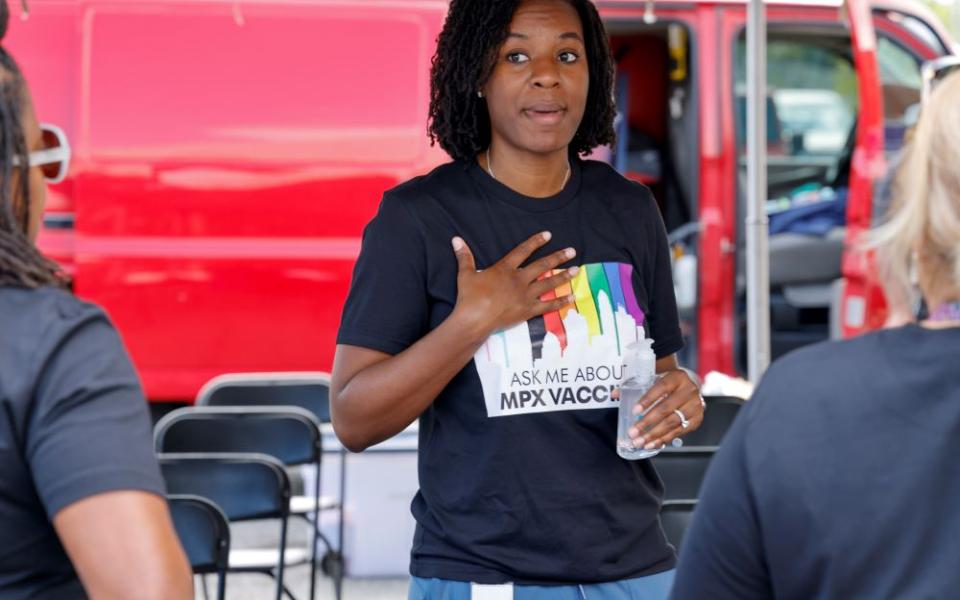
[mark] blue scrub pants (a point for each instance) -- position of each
(651, 587)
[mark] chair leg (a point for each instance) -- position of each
(222, 584)
(282, 588)
(338, 579)
(338, 576)
(332, 565)
(343, 495)
(283, 558)
(316, 532)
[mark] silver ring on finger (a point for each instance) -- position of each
(684, 423)
(703, 403)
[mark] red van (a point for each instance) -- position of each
(229, 153)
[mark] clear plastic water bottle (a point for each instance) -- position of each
(639, 368)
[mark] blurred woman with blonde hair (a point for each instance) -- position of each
(918, 246)
(850, 486)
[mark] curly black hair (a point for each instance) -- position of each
(465, 58)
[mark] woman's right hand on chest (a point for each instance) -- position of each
(506, 294)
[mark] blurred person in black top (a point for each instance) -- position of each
(82, 508)
(508, 345)
(840, 477)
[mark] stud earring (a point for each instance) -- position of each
(479, 94)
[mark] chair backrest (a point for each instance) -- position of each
(244, 486)
(675, 516)
(309, 391)
(203, 531)
(717, 419)
(289, 434)
(682, 471)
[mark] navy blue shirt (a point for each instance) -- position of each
(73, 423)
(519, 476)
(839, 479)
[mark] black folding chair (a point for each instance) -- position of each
(717, 419)
(682, 470)
(290, 436)
(246, 487)
(675, 516)
(205, 536)
(309, 391)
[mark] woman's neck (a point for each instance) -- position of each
(534, 175)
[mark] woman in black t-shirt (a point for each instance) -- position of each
(502, 349)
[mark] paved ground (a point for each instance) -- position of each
(242, 586)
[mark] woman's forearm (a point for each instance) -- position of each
(382, 397)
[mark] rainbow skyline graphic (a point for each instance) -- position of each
(567, 359)
(605, 303)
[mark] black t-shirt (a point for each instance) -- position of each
(839, 479)
(519, 477)
(73, 423)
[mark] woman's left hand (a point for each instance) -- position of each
(680, 396)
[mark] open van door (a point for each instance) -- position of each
(863, 304)
(887, 36)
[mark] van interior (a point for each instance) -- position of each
(812, 107)
(657, 139)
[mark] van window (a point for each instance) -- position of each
(901, 81)
(897, 65)
(296, 83)
(812, 101)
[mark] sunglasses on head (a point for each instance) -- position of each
(935, 71)
(54, 158)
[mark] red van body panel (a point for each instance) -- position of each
(718, 173)
(225, 163)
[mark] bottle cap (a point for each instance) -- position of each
(638, 358)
